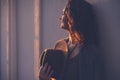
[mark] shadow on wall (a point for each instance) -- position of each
(109, 17)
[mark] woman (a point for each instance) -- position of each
(84, 59)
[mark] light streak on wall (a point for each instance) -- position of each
(36, 36)
(7, 40)
(12, 40)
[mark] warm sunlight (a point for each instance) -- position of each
(36, 37)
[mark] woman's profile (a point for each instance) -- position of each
(84, 60)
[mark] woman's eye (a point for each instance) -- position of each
(60, 18)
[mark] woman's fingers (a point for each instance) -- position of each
(50, 73)
(48, 70)
(45, 67)
(45, 72)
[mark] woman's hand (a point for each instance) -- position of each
(45, 72)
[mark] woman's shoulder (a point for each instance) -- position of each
(62, 45)
(61, 40)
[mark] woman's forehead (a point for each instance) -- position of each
(66, 7)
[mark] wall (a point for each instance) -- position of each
(51, 11)
(25, 39)
(110, 30)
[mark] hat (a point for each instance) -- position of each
(56, 59)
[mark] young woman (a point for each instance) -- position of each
(84, 61)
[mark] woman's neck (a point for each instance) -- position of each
(73, 39)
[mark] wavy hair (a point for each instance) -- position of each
(85, 20)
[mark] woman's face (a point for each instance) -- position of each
(67, 23)
(64, 20)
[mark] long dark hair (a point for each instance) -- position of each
(85, 20)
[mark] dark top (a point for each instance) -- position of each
(71, 71)
(87, 65)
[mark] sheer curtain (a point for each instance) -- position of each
(19, 39)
